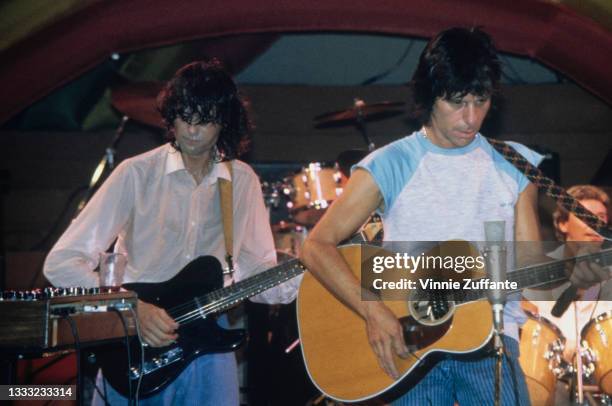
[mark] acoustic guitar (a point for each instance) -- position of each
(436, 324)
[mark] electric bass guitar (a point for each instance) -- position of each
(151, 369)
(334, 342)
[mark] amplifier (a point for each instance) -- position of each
(38, 320)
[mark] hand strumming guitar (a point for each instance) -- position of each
(385, 336)
(156, 327)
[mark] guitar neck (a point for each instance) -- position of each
(537, 275)
(223, 299)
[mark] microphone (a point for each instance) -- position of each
(563, 302)
(110, 150)
(495, 256)
(107, 160)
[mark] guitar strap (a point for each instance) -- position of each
(549, 187)
(227, 216)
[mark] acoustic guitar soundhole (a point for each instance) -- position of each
(430, 307)
(430, 318)
(417, 335)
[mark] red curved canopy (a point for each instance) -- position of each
(554, 34)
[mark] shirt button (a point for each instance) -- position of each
(188, 256)
(193, 223)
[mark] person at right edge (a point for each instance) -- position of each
(588, 303)
(439, 183)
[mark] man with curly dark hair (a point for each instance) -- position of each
(163, 208)
(203, 93)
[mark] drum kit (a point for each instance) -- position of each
(310, 191)
(542, 347)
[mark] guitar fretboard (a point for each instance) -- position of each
(535, 276)
(224, 298)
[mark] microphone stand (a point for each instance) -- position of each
(495, 255)
(579, 366)
(107, 160)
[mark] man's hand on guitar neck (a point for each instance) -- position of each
(585, 273)
(385, 336)
(156, 327)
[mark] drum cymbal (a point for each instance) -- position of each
(360, 111)
(138, 102)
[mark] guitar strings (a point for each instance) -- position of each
(217, 294)
(247, 287)
(542, 274)
(214, 307)
(251, 288)
(234, 290)
(526, 277)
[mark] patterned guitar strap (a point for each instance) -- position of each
(549, 187)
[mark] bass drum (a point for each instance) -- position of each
(311, 192)
(597, 338)
(538, 337)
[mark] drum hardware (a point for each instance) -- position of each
(589, 359)
(358, 114)
(138, 101)
(361, 111)
(592, 396)
(272, 193)
(288, 239)
(605, 400)
(556, 363)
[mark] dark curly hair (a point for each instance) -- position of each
(203, 92)
(454, 63)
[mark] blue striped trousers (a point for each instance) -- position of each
(470, 382)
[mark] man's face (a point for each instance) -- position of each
(456, 120)
(575, 230)
(195, 139)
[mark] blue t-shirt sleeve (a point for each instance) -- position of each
(382, 172)
(391, 167)
(531, 156)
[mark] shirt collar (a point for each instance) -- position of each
(219, 171)
(174, 163)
